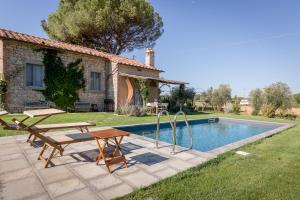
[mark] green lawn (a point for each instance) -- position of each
(101, 119)
(271, 171)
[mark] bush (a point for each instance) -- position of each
(131, 110)
(3, 90)
(268, 110)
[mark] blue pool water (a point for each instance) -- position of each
(206, 136)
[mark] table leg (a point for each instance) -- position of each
(118, 148)
(102, 153)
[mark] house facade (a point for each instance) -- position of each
(108, 76)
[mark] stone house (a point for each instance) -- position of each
(108, 76)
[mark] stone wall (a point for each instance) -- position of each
(1, 58)
(17, 54)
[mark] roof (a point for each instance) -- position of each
(12, 35)
(162, 80)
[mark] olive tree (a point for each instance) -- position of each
(257, 100)
(279, 96)
(297, 98)
(221, 96)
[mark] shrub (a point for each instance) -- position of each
(3, 90)
(131, 110)
(268, 110)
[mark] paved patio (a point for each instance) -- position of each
(76, 176)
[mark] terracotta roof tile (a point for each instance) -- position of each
(7, 34)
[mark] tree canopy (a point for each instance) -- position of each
(297, 98)
(272, 99)
(221, 96)
(112, 26)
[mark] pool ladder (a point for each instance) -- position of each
(174, 128)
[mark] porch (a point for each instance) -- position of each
(128, 93)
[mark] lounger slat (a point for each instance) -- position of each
(61, 126)
(4, 112)
(43, 112)
(70, 138)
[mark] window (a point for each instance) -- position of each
(34, 75)
(95, 81)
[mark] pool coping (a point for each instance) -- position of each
(220, 150)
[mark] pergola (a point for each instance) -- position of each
(160, 80)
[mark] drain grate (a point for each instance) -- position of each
(243, 153)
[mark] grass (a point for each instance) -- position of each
(271, 171)
(101, 119)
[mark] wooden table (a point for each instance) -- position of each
(112, 135)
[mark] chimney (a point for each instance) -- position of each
(149, 60)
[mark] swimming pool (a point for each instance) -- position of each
(208, 134)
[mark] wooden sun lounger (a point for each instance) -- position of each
(43, 128)
(20, 125)
(6, 125)
(58, 143)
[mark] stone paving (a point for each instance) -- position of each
(76, 176)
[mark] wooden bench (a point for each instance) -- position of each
(32, 105)
(82, 107)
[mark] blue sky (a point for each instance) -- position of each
(246, 44)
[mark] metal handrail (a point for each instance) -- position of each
(174, 130)
(158, 123)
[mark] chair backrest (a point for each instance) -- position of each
(36, 105)
(45, 139)
(82, 106)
